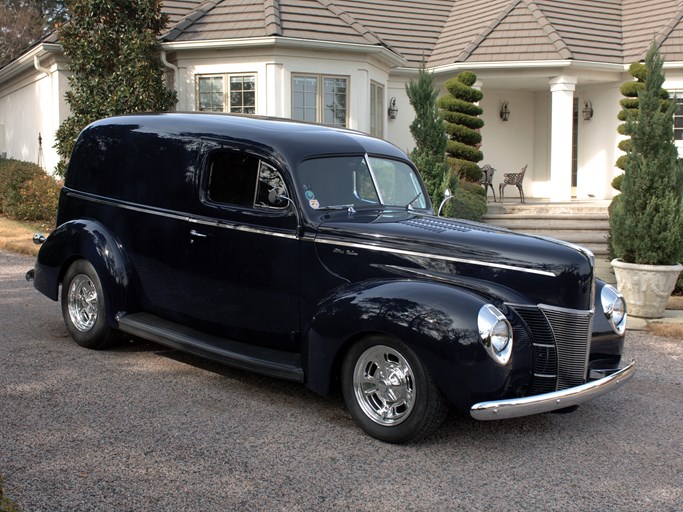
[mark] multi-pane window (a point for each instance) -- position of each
(376, 110)
(320, 99)
(305, 98)
(678, 121)
(678, 117)
(227, 93)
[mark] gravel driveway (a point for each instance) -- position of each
(142, 427)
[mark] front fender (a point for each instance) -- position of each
(438, 322)
(88, 240)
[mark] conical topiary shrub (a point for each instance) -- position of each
(427, 129)
(645, 222)
(629, 107)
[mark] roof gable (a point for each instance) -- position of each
(526, 30)
(658, 20)
(237, 19)
(409, 27)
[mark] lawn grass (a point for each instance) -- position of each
(16, 236)
(6, 504)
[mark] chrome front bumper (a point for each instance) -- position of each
(526, 406)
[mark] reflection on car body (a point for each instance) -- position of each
(312, 254)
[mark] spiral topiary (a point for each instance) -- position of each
(629, 110)
(462, 122)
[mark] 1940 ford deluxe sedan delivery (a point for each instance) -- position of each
(313, 254)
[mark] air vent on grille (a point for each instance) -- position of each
(560, 344)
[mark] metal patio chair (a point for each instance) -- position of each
(487, 180)
(513, 178)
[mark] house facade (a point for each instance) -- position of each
(555, 65)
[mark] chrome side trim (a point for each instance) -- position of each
(403, 252)
(127, 206)
(181, 216)
(242, 227)
(526, 406)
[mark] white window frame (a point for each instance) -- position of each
(318, 106)
(226, 106)
(678, 116)
(376, 109)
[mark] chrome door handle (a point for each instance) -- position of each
(197, 234)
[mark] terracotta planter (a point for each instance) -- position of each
(646, 288)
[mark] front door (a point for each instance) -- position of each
(243, 268)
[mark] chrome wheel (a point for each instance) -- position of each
(384, 385)
(82, 303)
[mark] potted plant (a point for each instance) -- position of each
(645, 222)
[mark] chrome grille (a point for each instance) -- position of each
(560, 345)
(572, 331)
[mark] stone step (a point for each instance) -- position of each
(544, 207)
(522, 222)
(584, 223)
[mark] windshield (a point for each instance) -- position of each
(359, 181)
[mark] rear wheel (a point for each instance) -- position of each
(83, 307)
(389, 392)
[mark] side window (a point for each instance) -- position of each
(270, 187)
(233, 178)
(243, 180)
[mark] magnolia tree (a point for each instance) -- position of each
(113, 57)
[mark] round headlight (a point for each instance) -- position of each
(614, 308)
(496, 333)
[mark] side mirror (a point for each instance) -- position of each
(447, 195)
(278, 197)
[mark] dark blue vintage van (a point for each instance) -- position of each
(313, 254)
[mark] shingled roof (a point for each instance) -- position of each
(448, 31)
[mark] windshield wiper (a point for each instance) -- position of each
(348, 207)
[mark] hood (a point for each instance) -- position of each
(540, 270)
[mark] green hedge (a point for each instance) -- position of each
(469, 201)
(27, 193)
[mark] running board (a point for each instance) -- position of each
(266, 361)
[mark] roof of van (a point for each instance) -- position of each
(286, 139)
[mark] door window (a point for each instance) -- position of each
(244, 180)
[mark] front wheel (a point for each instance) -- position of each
(83, 307)
(389, 392)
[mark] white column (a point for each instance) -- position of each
(562, 109)
(186, 90)
(273, 90)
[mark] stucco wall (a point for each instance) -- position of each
(30, 104)
(509, 145)
(598, 139)
(398, 130)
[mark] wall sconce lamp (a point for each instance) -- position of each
(587, 110)
(393, 109)
(504, 111)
